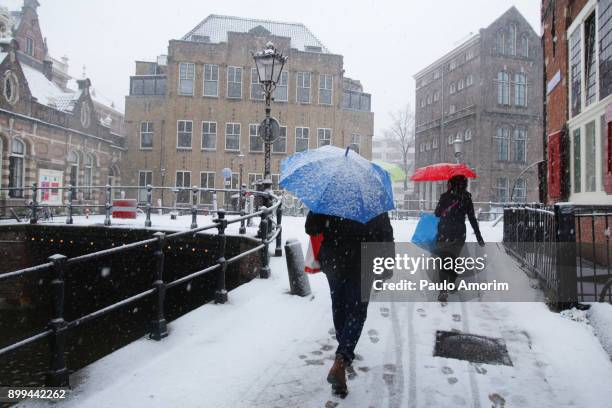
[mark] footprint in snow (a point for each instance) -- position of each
(421, 312)
(452, 380)
(373, 336)
(456, 318)
(497, 400)
(447, 370)
(389, 374)
(314, 362)
(384, 311)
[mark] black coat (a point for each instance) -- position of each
(452, 209)
(342, 238)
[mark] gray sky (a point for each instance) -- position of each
(383, 42)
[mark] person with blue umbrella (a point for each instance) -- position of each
(348, 197)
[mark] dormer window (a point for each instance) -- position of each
(29, 48)
(11, 87)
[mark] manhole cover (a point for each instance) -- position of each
(471, 347)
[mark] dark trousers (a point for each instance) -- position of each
(448, 250)
(348, 310)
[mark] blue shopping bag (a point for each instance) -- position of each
(426, 232)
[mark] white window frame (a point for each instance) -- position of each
(307, 138)
(255, 126)
(356, 136)
(142, 189)
(188, 193)
(282, 83)
(279, 138)
(298, 86)
(255, 83)
(234, 68)
(233, 134)
(178, 131)
(326, 77)
(326, 137)
(21, 156)
(150, 131)
(180, 78)
(209, 133)
(210, 80)
(208, 174)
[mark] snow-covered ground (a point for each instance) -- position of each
(266, 348)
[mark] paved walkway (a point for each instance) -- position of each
(269, 349)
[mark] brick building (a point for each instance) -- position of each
(577, 39)
(488, 93)
(191, 113)
(49, 133)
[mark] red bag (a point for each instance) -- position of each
(311, 263)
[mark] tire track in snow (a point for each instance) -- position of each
(473, 383)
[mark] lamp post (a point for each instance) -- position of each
(163, 178)
(458, 148)
(269, 64)
(242, 229)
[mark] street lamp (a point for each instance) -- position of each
(269, 64)
(458, 147)
(242, 229)
(163, 178)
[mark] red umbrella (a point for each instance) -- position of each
(442, 171)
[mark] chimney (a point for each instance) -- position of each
(84, 84)
(48, 69)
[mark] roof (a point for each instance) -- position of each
(472, 37)
(216, 27)
(47, 92)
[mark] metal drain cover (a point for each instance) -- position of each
(471, 347)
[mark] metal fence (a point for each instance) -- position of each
(56, 331)
(566, 246)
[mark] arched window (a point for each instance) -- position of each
(502, 137)
(73, 162)
(503, 88)
(429, 99)
(16, 168)
(452, 88)
(436, 96)
(11, 87)
(512, 39)
(469, 80)
(468, 134)
(520, 147)
(500, 42)
(520, 89)
(460, 84)
(524, 46)
(88, 176)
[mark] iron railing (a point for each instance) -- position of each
(567, 246)
(269, 232)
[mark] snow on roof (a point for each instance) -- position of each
(13, 5)
(216, 27)
(3, 56)
(47, 92)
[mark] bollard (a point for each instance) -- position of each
(70, 198)
(160, 210)
(159, 327)
(298, 279)
(107, 219)
(214, 202)
(251, 207)
(264, 230)
(567, 285)
(148, 207)
(34, 205)
(278, 251)
(57, 376)
(194, 208)
(221, 292)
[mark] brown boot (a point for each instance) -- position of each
(337, 377)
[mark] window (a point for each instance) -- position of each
(512, 39)
(211, 80)
(323, 137)
(520, 150)
(356, 101)
(154, 85)
(452, 88)
(429, 99)
(421, 147)
(451, 109)
(281, 93)
(301, 138)
(145, 178)
(183, 182)
(503, 88)
(325, 89)
(257, 92)
(88, 176)
(469, 55)
(460, 85)
(11, 87)
(520, 90)
(207, 180)
(500, 42)
(452, 65)
(146, 135)
(577, 170)
(450, 139)
(73, 163)
(29, 48)
(234, 82)
(524, 46)
(605, 48)
(209, 135)
(253, 179)
(520, 191)
(356, 142)
(502, 189)
(255, 142)
(184, 129)
(590, 157)
(469, 80)
(503, 141)
(436, 96)
(428, 145)
(590, 65)
(232, 136)
(575, 72)
(423, 102)
(436, 74)
(434, 143)
(275, 182)
(459, 136)
(231, 183)
(16, 168)
(186, 78)
(468, 134)
(303, 87)
(280, 144)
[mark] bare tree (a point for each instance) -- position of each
(401, 131)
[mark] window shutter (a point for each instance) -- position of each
(554, 165)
